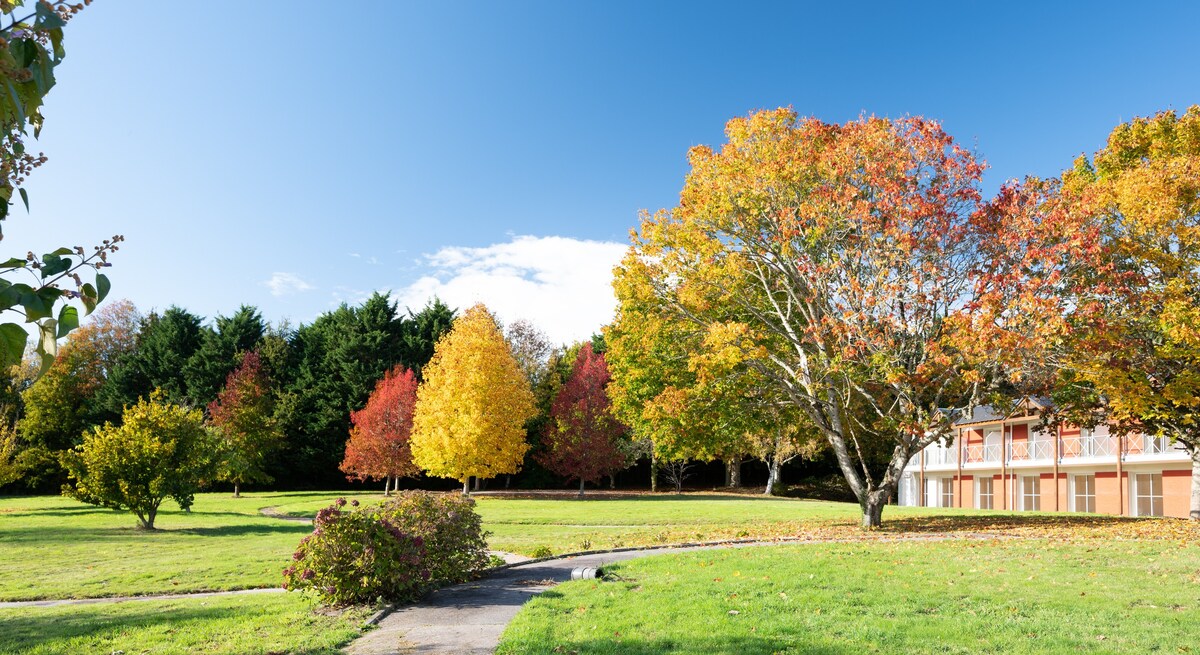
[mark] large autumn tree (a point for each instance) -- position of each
(471, 410)
(378, 447)
(1133, 358)
(583, 439)
(243, 415)
(841, 264)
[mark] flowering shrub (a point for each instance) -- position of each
(455, 545)
(356, 555)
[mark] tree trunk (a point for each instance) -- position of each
(581, 487)
(653, 473)
(507, 481)
(733, 472)
(237, 492)
(612, 481)
(467, 486)
(873, 507)
(1194, 512)
(772, 476)
(147, 520)
(478, 483)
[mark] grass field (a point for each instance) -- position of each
(255, 624)
(1016, 596)
(57, 548)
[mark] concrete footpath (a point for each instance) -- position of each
(468, 618)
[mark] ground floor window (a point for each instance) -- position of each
(1083, 493)
(947, 492)
(1147, 494)
(1031, 492)
(983, 493)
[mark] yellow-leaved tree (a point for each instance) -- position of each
(471, 410)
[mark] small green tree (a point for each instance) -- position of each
(160, 450)
(243, 417)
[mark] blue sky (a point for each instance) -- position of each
(295, 155)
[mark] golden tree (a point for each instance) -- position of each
(471, 410)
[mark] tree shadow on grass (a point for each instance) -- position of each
(703, 642)
(998, 522)
(77, 535)
(112, 630)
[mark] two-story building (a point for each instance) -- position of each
(1003, 461)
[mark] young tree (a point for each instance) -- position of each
(378, 447)
(159, 451)
(845, 265)
(243, 415)
(583, 440)
(471, 410)
(1133, 357)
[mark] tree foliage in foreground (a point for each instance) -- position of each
(1133, 358)
(852, 268)
(378, 447)
(243, 417)
(159, 451)
(38, 289)
(583, 439)
(472, 408)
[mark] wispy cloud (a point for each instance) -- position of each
(286, 284)
(562, 285)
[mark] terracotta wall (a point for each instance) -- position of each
(1177, 492)
(1109, 492)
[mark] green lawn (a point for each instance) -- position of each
(233, 625)
(53, 547)
(1028, 596)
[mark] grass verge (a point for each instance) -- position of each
(235, 625)
(1026, 596)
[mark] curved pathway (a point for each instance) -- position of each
(467, 619)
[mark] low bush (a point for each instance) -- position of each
(356, 556)
(455, 543)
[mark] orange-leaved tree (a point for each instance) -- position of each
(1133, 357)
(583, 439)
(378, 447)
(843, 266)
(471, 409)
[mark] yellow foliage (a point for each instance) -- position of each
(471, 410)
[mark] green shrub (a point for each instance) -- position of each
(356, 556)
(455, 543)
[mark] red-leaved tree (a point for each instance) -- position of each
(583, 440)
(243, 417)
(378, 447)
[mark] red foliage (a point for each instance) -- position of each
(583, 439)
(378, 447)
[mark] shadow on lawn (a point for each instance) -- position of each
(708, 643)
(993, 522)
(90, 630)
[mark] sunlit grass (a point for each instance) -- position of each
(1003, 596)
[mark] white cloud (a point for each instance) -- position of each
(285, 284)
(560, 284)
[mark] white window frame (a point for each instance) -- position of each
(991, 494)
(946, 495)
(1136, 491)
(1037, 495)
(1074, 492)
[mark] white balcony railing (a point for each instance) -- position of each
(1148, 445)
(982, 453)
(1088, 447)
(1038, 449)
(939, 456)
